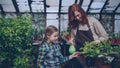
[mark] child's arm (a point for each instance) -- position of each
(66, 58)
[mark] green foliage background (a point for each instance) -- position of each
(16, 50)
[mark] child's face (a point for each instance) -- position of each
(54, 37)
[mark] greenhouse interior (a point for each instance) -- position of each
(23, 31)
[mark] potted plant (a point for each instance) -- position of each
(114, 38)
(91, 50)
(37, 36)
(104, 52)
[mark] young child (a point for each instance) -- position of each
(49, 55)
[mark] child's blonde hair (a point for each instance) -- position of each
(49, 31)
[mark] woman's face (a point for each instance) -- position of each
(78, 16)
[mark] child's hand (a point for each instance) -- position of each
(76, 54)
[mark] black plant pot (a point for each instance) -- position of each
(90, 61)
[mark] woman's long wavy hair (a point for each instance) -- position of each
(73, 23)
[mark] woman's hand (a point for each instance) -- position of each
(71, 41)
(96, 41)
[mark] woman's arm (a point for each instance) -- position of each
(100, 31)
(72, 39)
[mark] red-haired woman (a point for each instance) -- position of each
(84, 28)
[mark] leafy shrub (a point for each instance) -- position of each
(15, 42)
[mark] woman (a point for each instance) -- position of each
(84, 28)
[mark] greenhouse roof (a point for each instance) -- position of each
(59, 6)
